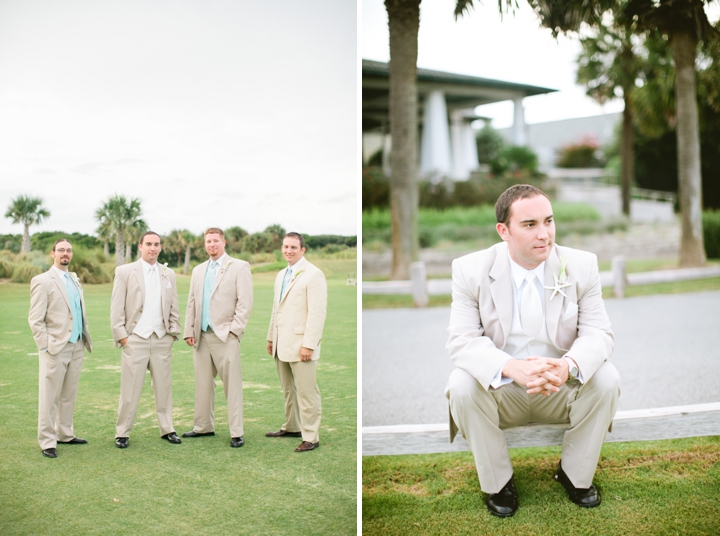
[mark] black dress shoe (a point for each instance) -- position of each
(504, 503)
(193, 433)
(236, 442)
(585, 497)
(283, 433)
(50, 453)
(172, 438)
(122, 442)
(74, 441)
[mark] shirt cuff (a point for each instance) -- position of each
(498, 380)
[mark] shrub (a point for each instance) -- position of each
(91, 266)
(711, 233)
(24, 272)
(6, 269)
(583, 154)
(375, 188)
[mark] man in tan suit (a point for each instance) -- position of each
(219, 304)
(294, 336)
(530, 338)
(59, 326)
(145, 322)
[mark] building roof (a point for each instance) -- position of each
(461, 91)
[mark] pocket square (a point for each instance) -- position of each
(570, 312)
(169, 285)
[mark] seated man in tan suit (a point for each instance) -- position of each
(219, 304)
(530, 338)
(296, 327)
(145, 322)
(59, 326)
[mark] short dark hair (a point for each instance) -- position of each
(504, 203)
(296, 236)
(149, 232)
(61, 240)
(215, 230)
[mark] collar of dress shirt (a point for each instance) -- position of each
(61, 272)
(220, 260)
(147, 266)
(519, 273)
(295, 268)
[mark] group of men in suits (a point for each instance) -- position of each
(145, 322)
(530, 340)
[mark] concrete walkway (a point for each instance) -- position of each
(667, 350)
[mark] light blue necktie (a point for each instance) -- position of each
(207, 291)
(286, 279)
(74, 298)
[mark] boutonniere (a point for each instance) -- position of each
(296, 275)
(560, 280)
(223, 269)
(164, 270)
(76, 279)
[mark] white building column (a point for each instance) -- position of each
(470, 147)
(464, 147)
(435, 144)
(518, 129)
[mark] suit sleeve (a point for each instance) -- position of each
(317, 310)
(117, 306)
(174, 319)
(244, 302)
(469, 347)
(38, 310)
(595, 340)
(190, 311)
(271, 328)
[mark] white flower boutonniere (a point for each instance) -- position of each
(76, 279)
(296, 275)
(560, 280)
(164, 270)
(223, 269)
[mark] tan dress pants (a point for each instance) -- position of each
(59, 378)
(303, 408)
(481, 416)
(139, 355)
(212, 358)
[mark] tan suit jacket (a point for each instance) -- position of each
(482, 309)
(298, 320)
(128, 297)
(50, 314)
(230, 302)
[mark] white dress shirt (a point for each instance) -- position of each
(151, 320)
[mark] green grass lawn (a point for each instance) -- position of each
(201, 486)
(648, 488)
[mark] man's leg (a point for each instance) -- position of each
(161, 374)
(308, 399)
(591, 414)
(480, 416)
(52, 375)
(205, 373)
(134, 360)
(226, 359)
(68, 392)
(292, 412)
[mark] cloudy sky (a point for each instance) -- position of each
(514, 49)
(214, 113)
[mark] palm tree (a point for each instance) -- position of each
(277, 232)
(28, 211)
(234, 236)
(120, 215)
(104, 233)
(181, 241)
(608, 66)
(133, 232)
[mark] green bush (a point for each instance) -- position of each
(583, 154)
(6, 269)
(375, 188)
(24, 272)
(91, 266)
(711, 233)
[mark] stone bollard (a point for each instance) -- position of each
(619, 279)
(418, 276)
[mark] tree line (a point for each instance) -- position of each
(121, 225)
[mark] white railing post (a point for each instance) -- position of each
(619, 280)
(418, 276)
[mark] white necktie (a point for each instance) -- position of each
(531, 313)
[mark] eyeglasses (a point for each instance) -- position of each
(61, 251)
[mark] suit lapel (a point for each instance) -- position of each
(139, 278)
(501, 290)
(61, 285)
(552, 306)
(219, 275)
